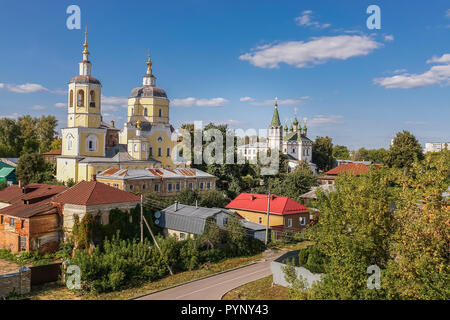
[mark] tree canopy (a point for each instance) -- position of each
(404, 150)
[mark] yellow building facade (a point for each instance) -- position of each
(144, 142)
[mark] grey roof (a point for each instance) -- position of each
(148, 92)
(84, 79)
(252, 226)
(186, 218)
(312, 194)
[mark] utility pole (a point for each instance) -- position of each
(142, 218)
(268, 214)
(157, 245)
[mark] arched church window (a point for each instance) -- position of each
(145, 112)
(71, 98)
(92, 98)
(69, 142)
(160, 113)
(92, 143)
(80, 98)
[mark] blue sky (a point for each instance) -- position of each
(225, 61)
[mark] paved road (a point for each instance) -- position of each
(213, 288)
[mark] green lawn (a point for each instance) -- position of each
(261, 289)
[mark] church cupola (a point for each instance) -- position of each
(305, 129)
(276, 117)
(85, 64)
(149, 79)
(295, 123)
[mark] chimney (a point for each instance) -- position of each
(112, 123)
(176, 206)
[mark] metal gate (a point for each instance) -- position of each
(44, 274)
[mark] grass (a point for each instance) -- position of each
(261, 289)
(27, 258)
(57, 291)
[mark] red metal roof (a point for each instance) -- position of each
(57, 152)
(35, 200)
(258, 202)
(353, 168)
(94, 193)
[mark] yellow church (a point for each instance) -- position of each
(90, 146)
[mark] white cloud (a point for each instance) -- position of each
(108, 107)
(245, 99)
(302, 54)
(115, 100)
(60, 105)
(282, 102)
(443, 59)
(2, 85)
(306, 19)
(15, 115)
(38, 107)
(324, 120)
(26, 88)
(438, 74)
(230, 123)
(447, 14)
(190, 102)
(389, 37)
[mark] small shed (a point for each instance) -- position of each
(8, 175)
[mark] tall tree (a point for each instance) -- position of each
(32, 167)
(341, 152)
(404, 150)
(46, 132)
(28, 129)
(10, 138)
(322, 153)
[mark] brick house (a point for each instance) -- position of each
(285, 214)
(28, 220)
(347, 168)
(92, 197)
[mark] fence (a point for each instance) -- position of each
(18, 282)
(46, 273)
(278, 265)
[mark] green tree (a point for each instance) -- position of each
(10, 138)
(213, 199)
(28, 126)
(341, 152)
(421, 268)
(56, 144)
(322, 153)
(33, 168)
(187, 197)
(404, 150)
(46, 132)
(294, 184)
(353, 233)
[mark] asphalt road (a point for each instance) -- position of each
(213, 288)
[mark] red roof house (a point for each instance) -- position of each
(285, 213)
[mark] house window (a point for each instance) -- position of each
(169, 187)
(191, 186)
(151, 151)
(131, 187)
(143, 186)
(22, 224)
(116, 185)
(12, 222)
(92, 99)
(302, 221)
(208, 185)
(260, 221)
(178, 186)
(160, 113)
(168, 152)
(98, 219)
(289, 223)
(1, 219)
(201, 185)
(145, 112)
(293, 150)
(156, 187)
(160, 139)
(136, 149)
(80, 98)
(159, 152)
(182, 235)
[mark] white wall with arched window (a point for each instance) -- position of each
(80, 98)
(92, 143)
